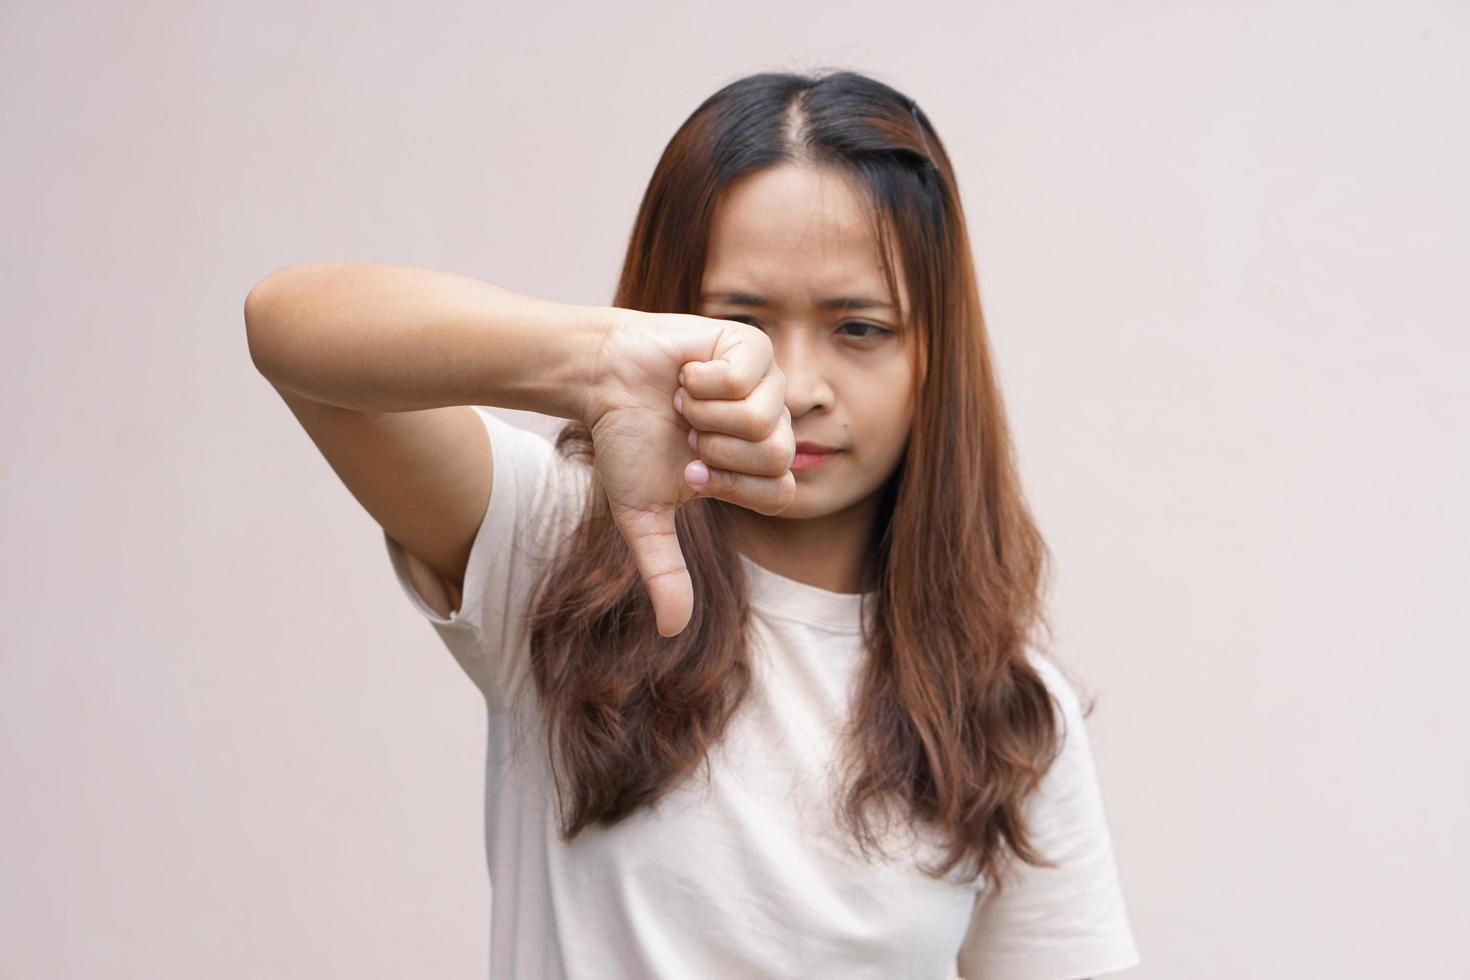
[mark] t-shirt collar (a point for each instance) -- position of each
(790, 599)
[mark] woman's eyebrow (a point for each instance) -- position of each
(829, 303)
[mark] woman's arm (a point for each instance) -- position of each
(395, 338)
(379, 364)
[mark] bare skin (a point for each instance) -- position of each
(640, 432)
(794, 235)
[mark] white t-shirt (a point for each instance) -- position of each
(749, 877)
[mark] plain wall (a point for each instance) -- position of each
(1223, 251)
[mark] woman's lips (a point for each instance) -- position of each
(808, 460)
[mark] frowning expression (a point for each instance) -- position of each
(791, 252)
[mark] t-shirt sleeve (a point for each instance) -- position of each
(1068, 922)
(536, 498)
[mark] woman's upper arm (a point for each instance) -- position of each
(425, 476)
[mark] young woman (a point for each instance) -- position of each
(757, 631)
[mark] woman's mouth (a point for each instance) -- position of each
(809, 460)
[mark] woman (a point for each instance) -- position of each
(757, 631)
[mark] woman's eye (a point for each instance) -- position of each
(872, 330)
(875, 330)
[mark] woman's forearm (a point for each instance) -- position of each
(396, 338)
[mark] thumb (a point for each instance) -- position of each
(651, 535)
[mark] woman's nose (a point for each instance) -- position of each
(807, 378)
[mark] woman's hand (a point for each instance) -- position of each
(732, 395)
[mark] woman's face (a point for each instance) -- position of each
(786, 244)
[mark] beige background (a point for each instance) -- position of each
(1223, 249)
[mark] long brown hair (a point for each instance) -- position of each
(950, 723)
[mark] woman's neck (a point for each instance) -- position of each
(830, 552)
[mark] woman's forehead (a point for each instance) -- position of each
(796, 234)
(793, 205)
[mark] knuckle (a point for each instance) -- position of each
(753, 425)
(788, 489)
(735, 383)
(719, 380)
(778, 494)
(780, 457)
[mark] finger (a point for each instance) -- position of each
(772, 456)
(762, 494)
(735, 370)
(655, 545)
(751, 418)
